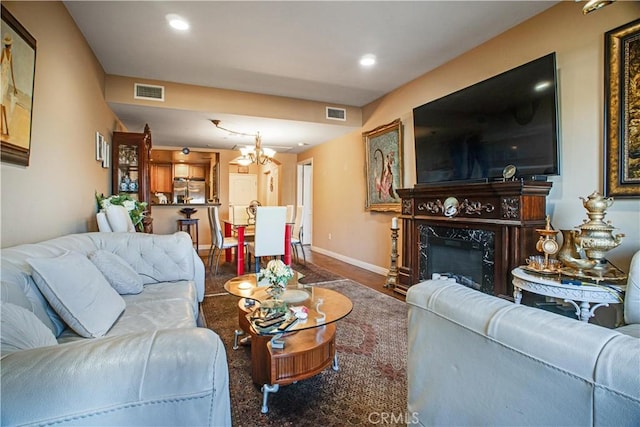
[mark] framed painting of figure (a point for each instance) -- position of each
(18, 72)
(383, 166)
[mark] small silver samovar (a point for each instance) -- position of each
(595, 237)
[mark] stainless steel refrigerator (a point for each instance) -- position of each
(196, 192)
(180, 191)
(189, 191)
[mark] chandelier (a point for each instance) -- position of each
(593, 5)
(255, 154)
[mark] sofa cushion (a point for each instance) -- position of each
(22, 330)
(78, 292)
(145, 316)
(122, 277)
(183, 290)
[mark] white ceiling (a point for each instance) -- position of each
(300, 49)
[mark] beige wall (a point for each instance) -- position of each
(54, 195)
(578, 41)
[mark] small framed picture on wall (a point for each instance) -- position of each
(99, 146)
(106, 154)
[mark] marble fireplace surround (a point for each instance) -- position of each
(461, 246)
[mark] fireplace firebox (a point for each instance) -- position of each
(465, 254)
(476, 231)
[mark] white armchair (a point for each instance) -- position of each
(115, 218)
(632, 300)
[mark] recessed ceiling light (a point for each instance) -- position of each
(368, 60)
(177, 22)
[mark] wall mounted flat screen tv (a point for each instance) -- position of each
(474, 133)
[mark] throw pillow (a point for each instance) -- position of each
(22, 330)
(78, 292)
(122, 277)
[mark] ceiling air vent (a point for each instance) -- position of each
(334, 113)
(148, 92)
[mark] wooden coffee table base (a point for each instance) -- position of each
(306, 353)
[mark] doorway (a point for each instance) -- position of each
(305, 198)
(243, 188)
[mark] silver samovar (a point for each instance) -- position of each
(595, 236)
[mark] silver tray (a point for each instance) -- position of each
(544, 272)
(608, 274)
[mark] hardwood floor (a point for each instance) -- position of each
(373, 280)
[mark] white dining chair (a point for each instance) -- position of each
(290, 214)
(238, 214)
(219, 243)
(269, 233)
(115, 218)
(296, 235)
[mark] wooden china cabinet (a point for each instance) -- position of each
(130, 152)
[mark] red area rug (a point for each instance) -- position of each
(369, 388)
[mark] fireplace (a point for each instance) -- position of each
(465, 254)
(476, 231)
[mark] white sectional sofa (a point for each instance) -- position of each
(75, 352)
(474, 359)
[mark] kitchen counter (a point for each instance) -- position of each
(166, 216)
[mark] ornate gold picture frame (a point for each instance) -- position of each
(622, 111)
(18, 73)
(383, 167)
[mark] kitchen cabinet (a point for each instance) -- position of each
(197, 171)
(171, 171)
(181, 170)
(191, 171)
(161, 179)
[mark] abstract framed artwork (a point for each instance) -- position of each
(17, 78)
(383, 167)
(622, 111)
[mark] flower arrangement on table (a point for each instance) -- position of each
(277, 274)
(137, 210)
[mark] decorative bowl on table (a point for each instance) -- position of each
(188, 212)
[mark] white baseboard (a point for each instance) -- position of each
(352, 261)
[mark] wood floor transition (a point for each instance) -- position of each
(357, 274)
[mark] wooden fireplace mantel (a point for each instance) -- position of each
(510, 211)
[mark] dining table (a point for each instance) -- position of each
(240, 227)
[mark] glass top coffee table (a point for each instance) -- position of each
(304, 349)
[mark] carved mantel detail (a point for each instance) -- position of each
(407, 204)
(510, 207)
(451, 207)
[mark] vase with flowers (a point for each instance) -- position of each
(277, 274)
(137, 210)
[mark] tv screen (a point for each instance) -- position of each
(509, 119)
